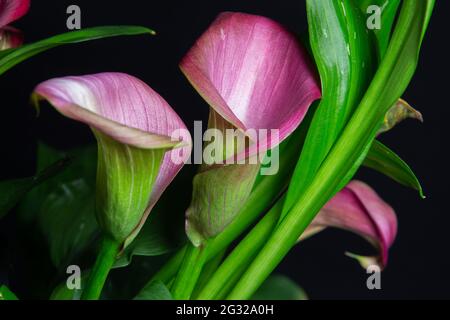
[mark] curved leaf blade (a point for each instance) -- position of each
(387, 11)
(6, 294)
(342, 52)
(10, 58)
(12, 191)
(389, 83)
(385, 161)
(67, 220)
(63, 207)
(154, 291)
(279, 287)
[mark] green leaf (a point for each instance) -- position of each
(279, 287)
(389, 83)
(388, 11)
(83, 165)
(384, 160)
(63, 208)
(152, 240)
(12, 191)
(67, 219)
(6, 294)
(67, 202)
(154, 291)
(11, 57)
(342, 52)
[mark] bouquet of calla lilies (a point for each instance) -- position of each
(291, 120)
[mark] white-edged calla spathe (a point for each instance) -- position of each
(255, 76)
(133, 126)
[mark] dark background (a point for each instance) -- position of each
(419, 263)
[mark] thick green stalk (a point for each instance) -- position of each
(243, 254)
(227, 287)
(389, 83)
(105, 260)
(190, 270)
(208, 271)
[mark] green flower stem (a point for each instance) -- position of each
(105, 260)
(227, 287)
(389, 83)
(190, 270)
(243, 254)
(260, 199)
(208, 271)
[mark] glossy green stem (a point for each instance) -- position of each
(260, 199)
(190, 270)
(243, 254)
(105, 260)
(227, 287)
(208, 271)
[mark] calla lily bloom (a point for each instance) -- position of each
(133, 126)
(359, 209)
(11, 10)
(255, 75)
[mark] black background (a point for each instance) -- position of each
(419, 265)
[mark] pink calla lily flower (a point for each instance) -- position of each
(359, 209)
(133, 126)
(11, 10)
(255, 75)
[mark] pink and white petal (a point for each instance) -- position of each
(118, 105)
(381, 213)
(11, 10)
(254, 73)
(10, 38)
(126, 109)
(358, 208)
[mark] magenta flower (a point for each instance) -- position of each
(255, 75)
(359, 209)
(133, 126)
(11, 10)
